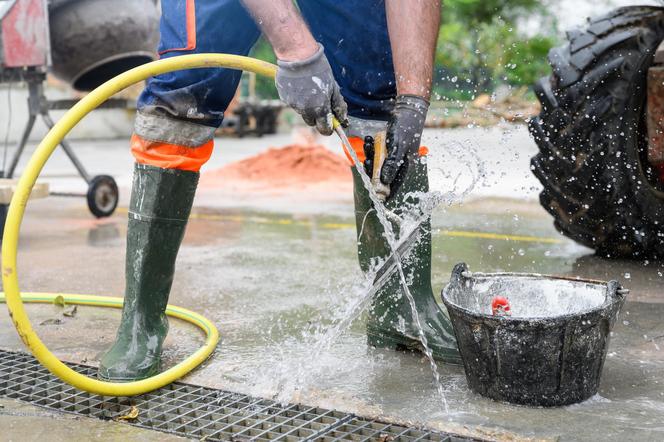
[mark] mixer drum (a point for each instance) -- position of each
(95, 40)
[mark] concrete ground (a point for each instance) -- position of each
(277, 271)
(20, 421)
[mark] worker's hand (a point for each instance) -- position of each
(308, 86)
(404, 131)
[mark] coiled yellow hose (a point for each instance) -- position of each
(13, 297)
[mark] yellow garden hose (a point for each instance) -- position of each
(14, 298)
(65, 373)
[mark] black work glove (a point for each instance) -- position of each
(404, 131)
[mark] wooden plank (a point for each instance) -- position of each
(8, 187)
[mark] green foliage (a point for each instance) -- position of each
(484, 11)
(480, 40)
(455, 46)
(453, 94)
(264, 86)
(526, 60)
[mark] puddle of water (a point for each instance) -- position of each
(286, 380)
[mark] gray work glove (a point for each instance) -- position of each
(404, 133)
(308, 86)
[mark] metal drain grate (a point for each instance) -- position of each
(199, 412)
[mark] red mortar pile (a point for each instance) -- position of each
(294, 165)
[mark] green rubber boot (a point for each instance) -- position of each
(161, 201)
(390, 323)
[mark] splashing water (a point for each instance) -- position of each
(320, 338)
(428, 203)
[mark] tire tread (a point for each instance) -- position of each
(589, 136)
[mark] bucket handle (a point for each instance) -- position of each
(459, 274)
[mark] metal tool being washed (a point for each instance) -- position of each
(380, 153)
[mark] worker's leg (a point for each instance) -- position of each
(390, 322)
(177, 115)
(361, 59)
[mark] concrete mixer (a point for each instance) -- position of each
(84, 43)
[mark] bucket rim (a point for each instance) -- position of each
(615, 294)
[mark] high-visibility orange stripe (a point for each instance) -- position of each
(190, 11)
(170, 156)
(357, 144)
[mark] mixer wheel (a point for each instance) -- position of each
(102, 196)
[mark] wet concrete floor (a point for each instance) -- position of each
(20, 421)
(268, 279)
(274, 281)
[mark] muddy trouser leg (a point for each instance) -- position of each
(173, 137)
(390, 323)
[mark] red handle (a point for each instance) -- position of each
(500, 306)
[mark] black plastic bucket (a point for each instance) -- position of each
(551, 349)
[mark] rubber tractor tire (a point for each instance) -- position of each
(592, 136)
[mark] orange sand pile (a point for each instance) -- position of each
(295, 165)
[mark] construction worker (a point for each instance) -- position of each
(369, 63)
